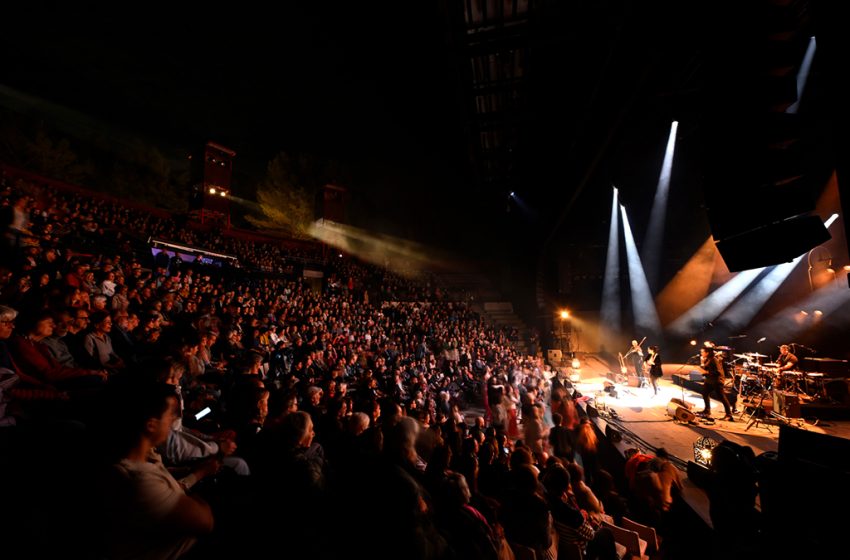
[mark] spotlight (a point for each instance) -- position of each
(576, 363)
(512, 194)
(803, 312)
(212, 190)
(565, 314)
(847, 267)
(703, 448)
(222, 193)
(693, 342)
(818, 312)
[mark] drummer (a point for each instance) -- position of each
(787, 361)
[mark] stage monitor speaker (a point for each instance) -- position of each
(679, 412)
(680, 402)
(554, 356)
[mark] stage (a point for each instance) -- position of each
(641, 418)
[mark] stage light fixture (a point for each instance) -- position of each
(576, 363)
(212, 190)
(565, 314)
(693, 342)
(703, 449)
(818, 312)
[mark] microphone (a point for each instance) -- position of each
(762, 339)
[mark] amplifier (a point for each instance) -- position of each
(787, 404)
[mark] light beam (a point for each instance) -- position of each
(655, 234)
(643, 306)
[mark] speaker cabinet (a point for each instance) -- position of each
(787, 404)
(679, 412)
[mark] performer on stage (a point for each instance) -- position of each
(654, 363)
(713, 383)
(635, 355)
(787, 360)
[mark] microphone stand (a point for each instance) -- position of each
(681, 367)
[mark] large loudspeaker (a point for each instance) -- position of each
(763, 170)
(772, 244)
(679, 412)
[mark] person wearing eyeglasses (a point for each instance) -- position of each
(75, 339)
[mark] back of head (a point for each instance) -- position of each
(400, 438)
(521, 456)
(556, 480)
(557, 419)
(524, 479)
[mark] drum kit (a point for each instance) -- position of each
(752, 377)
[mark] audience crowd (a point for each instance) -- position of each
(156, 408)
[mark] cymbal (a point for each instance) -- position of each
(724, 348)
(741, 355)
(757, 355)
(771, 364)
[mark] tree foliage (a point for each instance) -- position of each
(146, 175)
(286, 196)
(31, 146)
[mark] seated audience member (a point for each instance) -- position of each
(34, 358)
(572, 524)
(98, 343)
(188, 448)
(151, 515)
(56, 342)
(524, 513)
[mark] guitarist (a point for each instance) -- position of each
(635, 354)
(713, 383)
